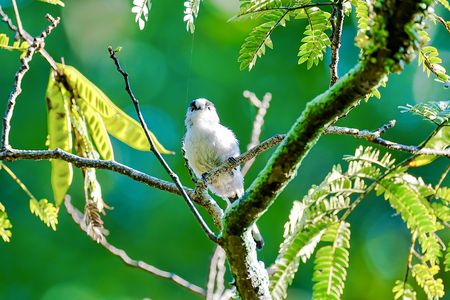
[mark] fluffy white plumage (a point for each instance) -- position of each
(208, 144)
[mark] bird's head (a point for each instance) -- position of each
(201, 111)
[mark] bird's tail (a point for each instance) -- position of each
(257, 237)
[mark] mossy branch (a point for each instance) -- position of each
(387, 52)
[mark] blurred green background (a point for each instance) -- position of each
(169, 67)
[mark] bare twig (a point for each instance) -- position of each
(257, 124)
(158, 155)
(442, 178)
(243, 158)
(410, 256)
(35, 45)
(337, 22)
(27, 37)
(7, 20)
(77, 216)
(216, 275)
(17, 180)
(17, 89)
(17, 15)
(374, 137)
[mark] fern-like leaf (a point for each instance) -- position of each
(5, 225)
(141, 9)
(255, 44)
(331, 263)
(443, 193)
(447, 258)
(301, 238)
(191, 9)
(54, 2)
(435, 112)
(425, 277)
(403, 291)
(316, 40)
(46, 211)
(17, 45)
(415, 211)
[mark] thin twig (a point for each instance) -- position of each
(17, 89)
(35, 45)
(7, 20)
(81, 162)
(77, 216)
(337, 22)
(17, 15)
(257, 124)
(442, 178)
(410, 256)
(17, 180)
(158, 155)
(243, 158)
(27, 37)
(216, 286)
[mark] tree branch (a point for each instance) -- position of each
(337, 22)
(27, 37)
(77, 216)
(262, 107)
(155, 151)
(81, 162)
(389, 45)
(35, 45)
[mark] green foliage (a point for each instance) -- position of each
(365, 23)
(5, 225)
(118, 123)
(443, 193)
(316, 40)
(59, 136)
(425, 277)
(331, 263)
(191, 9)
(439, 114)
(17, 45)
(435, 112)
(447, 258)
(46, 211)
(141, 9)
(415, 210)
(429, 58)
(444, 3)
(301, 236)
(255, 44)
(54, 2)
(403, 291)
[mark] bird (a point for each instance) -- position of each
(207, 145)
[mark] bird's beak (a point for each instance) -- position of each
(193, 106)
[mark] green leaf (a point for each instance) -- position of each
(17, 45)
(331, 263)
(54, 2)
(46, 211)
(439, 141)
(403, 291)
(255, 44)
(5, 225)
(316, 40)
(416, 211)
(435, 112)
(59, 136)
(425, 277)
(117, 122)
(447, 258)
(97, 130)
(301, 238)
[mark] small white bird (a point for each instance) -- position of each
(207, 145)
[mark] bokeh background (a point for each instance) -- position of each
(169, 67)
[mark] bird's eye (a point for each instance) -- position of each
(209, 107)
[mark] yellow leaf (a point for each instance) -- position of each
(117, 122)
(439, 141)
(60, 136)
